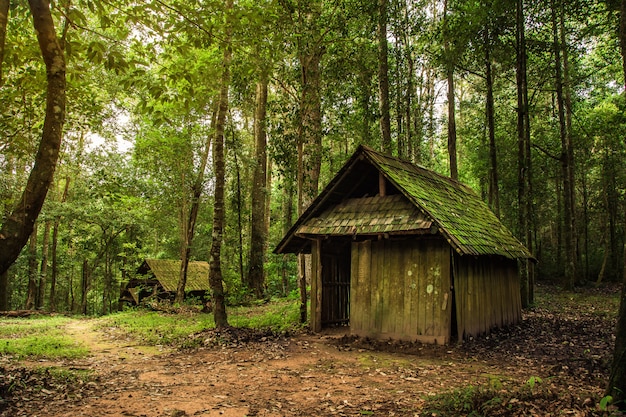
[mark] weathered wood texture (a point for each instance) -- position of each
(401, 290)
(487, 292)
(316, 285)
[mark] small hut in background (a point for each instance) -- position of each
(158, 278)
(402, 252)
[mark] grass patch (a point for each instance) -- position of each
(279, 316)
(158, 328)
(38, 338)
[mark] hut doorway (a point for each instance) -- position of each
(335, 284)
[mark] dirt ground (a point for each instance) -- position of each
(547, 365)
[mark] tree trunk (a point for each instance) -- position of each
(18, 227)
(617, 380)
(190, 226)
(383, 78)
(4, 18)
(55, 267)
(568, 209)
(219, 215)
(454, 170)
(258, 226)
(287, 216)
(84, 286)
(55, 239)
(524, 197)
(570, 191)
(4, 295)
(43, 270)
(31, 296)
(310, 131)
(494, 192)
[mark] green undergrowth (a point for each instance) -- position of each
(159, 328)
(493, 399)
(485, 400)
(40, 337)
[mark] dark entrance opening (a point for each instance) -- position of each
(336, 283)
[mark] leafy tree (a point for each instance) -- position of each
(18, 226)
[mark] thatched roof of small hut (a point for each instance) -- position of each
(167, 272)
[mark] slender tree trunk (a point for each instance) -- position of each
(43, 270)
(4, 18)
(189, 227)
(570, 191)
(287, 216)
(568, 209)
(18, 227)
(219, 215)
(55, 267)
(258, 226)
(617, 380)
(55, 239)
(383, 78)
(240, 228)
(84, 287)
(454, 170)
(523, 171)
(494, 192)
(106, 287)
(31, 296)
(310, 131)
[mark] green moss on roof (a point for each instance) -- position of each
(466, 221)
(364, 216)
(167, 272)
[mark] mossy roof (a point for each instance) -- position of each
(466, 222)
(367, 216)
(167, 272)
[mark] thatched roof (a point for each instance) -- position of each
(419, 201)
(167, 272)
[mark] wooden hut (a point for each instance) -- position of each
(158, 278)
(401, 252)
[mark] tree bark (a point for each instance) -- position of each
(309, 129)
(524, 196)
(383, 78)
(84, 286)
(568, 209)
(43, 270)
(189, 226)
(494, 192)
(18, 226)
(31, 296)
(219, 215)
(55, 238)
(258, 226)
(454, 170)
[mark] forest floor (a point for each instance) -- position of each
(555, 362)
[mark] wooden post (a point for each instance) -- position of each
(382, 185)
(316, 285)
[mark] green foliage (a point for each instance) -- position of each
(38, 338)
(605, 402)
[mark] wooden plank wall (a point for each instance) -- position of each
(487, 292)
(400, 289)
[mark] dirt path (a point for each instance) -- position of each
(312, 375)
